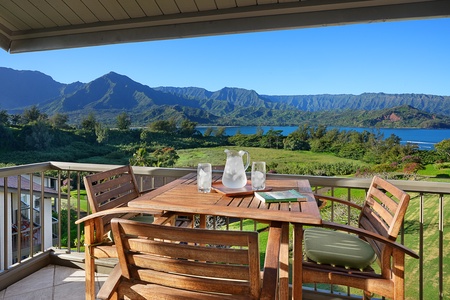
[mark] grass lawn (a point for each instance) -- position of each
(278, 157)
(74, 200)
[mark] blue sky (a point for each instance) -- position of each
(390, 57)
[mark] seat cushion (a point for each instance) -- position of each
(337, 249)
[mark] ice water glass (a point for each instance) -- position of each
(258, 177)
(204, 177)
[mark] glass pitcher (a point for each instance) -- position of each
(234, 173)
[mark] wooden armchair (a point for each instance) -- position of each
(162, 262)
(340, 258)
(108, 194)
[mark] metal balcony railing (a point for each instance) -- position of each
(424, 228)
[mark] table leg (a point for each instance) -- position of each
(297, 270)
(284, 262)
(202, 221)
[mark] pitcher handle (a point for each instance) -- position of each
(248, 160)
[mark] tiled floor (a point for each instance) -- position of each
(52, 282)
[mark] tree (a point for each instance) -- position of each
(89, 122)
(102, 133)
(318, 132)
(272, 139)
(141, 158)
(40, 137)
(33, 114)
(6, 138)
(187, 128)
(219, 131)
(291, 142)
(59, 120)
(15, 119)
(123, 121)
(4, 118)
(167, 126)
(443, 147)
(208, 131)
(165, 157)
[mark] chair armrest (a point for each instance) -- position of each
(334, 199)
(271, 263)
(119, 210)
(370, 235)
(111, 283)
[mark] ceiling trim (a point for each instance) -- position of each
(227, 21)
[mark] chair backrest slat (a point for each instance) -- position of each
(383, 213)
(191, 259)
(238, 272)
(110, 189)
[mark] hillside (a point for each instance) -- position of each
(113, 93)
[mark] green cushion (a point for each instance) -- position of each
(337, 249)
(143, 219)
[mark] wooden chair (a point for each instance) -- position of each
(108, 194)
(161, 262)
(340, 258)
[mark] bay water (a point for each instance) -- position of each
(424, 138)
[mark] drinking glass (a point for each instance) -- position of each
(258, 177)
(204, 177)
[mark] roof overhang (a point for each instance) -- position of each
(72, 23)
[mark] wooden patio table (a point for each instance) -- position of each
(180, 196)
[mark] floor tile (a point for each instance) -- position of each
(37, 281)
(67, 275)
(39, 294)
(73, 290)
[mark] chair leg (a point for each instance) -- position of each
(90, 276)
(367, 295)
(89, 261)
(398, 274)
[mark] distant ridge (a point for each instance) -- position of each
(113, 93)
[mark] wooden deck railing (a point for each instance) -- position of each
(425, 228)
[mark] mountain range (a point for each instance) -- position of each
(113, 93)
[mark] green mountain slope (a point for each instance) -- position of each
(112, 94)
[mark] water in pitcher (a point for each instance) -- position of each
(234, 173)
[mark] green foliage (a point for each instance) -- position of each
(443, 148)
(245, 140)
(33, 114)
(163, 157)
(39, 137)
(187, 128)
(65, 227)
(141, 158)
(208, 132)
(272, 139)
(88, 123)
(59, 121)
(6, 139)
(166, 126)
(123, 121)
(102, 133)
(320, 169)
(219, 131)
(4, 118)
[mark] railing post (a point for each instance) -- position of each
(47, 228)
(3, 228)
(6, 229)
